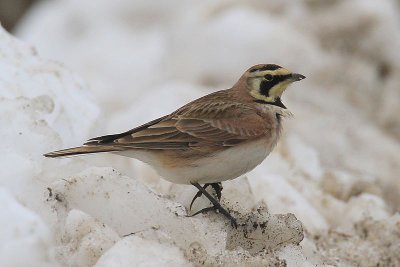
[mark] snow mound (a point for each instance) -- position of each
(130, 208)
(22, 230)
(141, 252)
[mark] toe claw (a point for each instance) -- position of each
(198, 194)
(194, 198)
(205, 210)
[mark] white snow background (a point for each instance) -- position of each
(89, 68)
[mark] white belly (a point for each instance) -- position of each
(231, 163)
(225, 165)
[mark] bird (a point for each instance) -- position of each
(215, 138)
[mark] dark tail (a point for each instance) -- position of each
(80, 150)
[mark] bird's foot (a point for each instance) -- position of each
(216, 186)
(216, 204)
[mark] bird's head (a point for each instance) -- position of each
(267, 82)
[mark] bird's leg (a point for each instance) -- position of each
(216, 204)
(199, 193)
(218, 189)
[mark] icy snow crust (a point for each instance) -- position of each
(328, 195)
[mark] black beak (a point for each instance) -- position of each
(297, 77)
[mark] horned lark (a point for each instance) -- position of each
(215, 138)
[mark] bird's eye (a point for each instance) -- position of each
(269, 77)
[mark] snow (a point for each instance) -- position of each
(283, 197)
(23, 231)
(113, 200)
(294, 256)
(84, 240)
(142, 253)
(328, 195)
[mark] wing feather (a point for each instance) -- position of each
(209, 121)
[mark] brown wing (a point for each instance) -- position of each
(208, 121)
